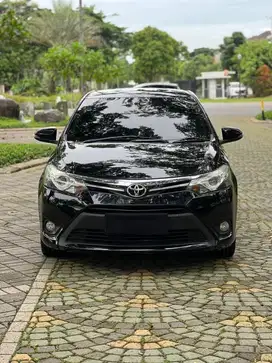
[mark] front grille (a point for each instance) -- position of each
(98, 238)
(153, 186)
(136, 208)
(180, 198)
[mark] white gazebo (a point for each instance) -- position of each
(214, 84)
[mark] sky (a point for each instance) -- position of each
(198, 23)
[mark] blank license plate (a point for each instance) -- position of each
(137, 224)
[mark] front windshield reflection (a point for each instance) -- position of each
(165, 118)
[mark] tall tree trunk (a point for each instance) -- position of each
(69, 85)
(52, 86)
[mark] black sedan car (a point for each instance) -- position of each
(138, 170)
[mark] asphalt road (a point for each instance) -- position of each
(246, 109)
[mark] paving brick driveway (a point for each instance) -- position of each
(147, 309)
(20, 258)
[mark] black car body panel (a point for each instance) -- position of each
(193, 223)
(107, 215)
(138, 161)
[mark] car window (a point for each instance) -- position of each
(160, 117)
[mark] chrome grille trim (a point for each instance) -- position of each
(154, 186)
(127, 182)
(149, 191)
(104, 187)
(169, 187)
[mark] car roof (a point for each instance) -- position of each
(157, 84)
(147, 92)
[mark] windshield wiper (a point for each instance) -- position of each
(190, 139)
(125, 138)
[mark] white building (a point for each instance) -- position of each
(214, 84)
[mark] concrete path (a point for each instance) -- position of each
(142, 309)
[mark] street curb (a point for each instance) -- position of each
(13, 335)
(253, 119)
(22, 166)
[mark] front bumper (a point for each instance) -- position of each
(191, 227)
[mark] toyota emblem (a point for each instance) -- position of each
(136, 190)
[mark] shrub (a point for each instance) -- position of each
(28, 87)
(268, 116)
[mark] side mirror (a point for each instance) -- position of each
(230, 135)
(48, 134)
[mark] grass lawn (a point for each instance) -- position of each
(17, 153)
(6, 123)
(237, 100)
(268, 116)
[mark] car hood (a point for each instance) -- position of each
(137, 160)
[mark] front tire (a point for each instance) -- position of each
(228, 252)
(49, 252)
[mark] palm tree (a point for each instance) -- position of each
(61, 26)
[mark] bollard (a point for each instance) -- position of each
(262, 107)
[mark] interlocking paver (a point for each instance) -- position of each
(20, 258)
(167, 308)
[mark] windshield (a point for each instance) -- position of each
(158, 117)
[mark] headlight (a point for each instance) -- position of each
(211, 181)
(56, 179)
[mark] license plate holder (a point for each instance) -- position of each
(136, 224)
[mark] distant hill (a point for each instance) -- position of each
(263, 36)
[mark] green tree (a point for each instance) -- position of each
(113, 37)
(63, 63)
(21, 58)
(119, 72)
(95, 66)
(13, 40)
(98, 69)
(254, 54)
(155, 53)
(23, 8)
(228, 49)
(61, 26)
(192, 68)
(205, 51)
(12, 30)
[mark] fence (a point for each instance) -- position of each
(190, 85)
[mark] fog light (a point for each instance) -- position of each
(50, 226)
(224, 227)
